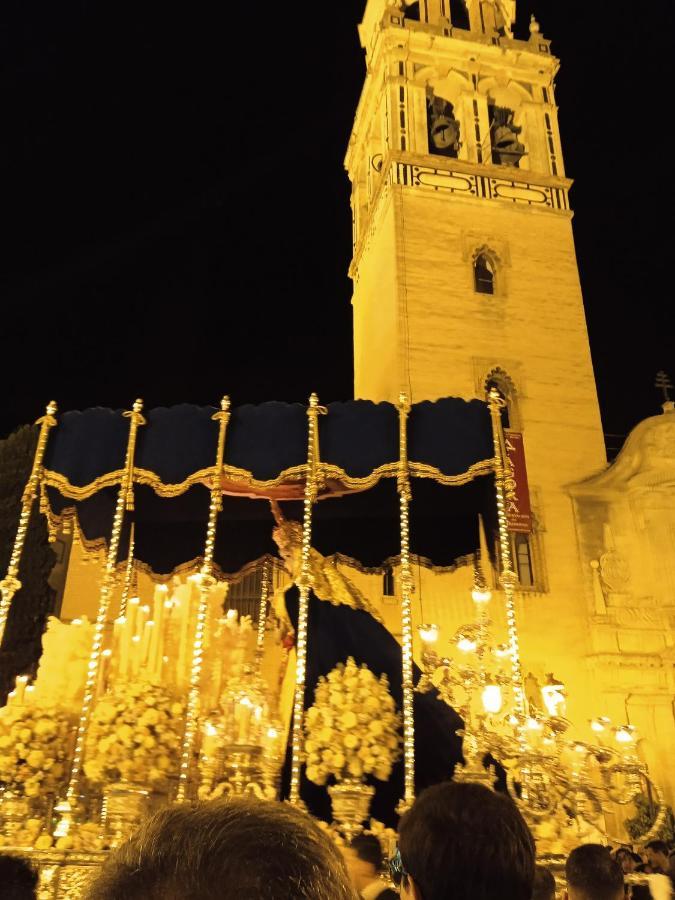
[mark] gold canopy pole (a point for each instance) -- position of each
(128, 574)
(304, 585)
(124, 502)
(262, 611)
(508, 578)
(403, 483)
(10, 584)
(206, 582)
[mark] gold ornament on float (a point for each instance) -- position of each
(351, 731)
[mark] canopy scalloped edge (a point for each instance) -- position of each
(289, 485)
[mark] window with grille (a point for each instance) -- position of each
(388, 586)
(244, 595)
(484, 274)
(522, 560)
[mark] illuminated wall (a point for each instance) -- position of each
(464, 271)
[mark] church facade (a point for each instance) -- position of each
(465, 277)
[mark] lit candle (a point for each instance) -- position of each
(492, 698)
(132, 612)
(135, 653)
(130, 630)
(161, 591)
(146, 640)
(103, 670)
(169, 638)
(181, 673)
(20, 688)
(156, 670)
(154, 647)
(257, 722)
(120, 632)
(243, 715)
(142, 617)
(209, 739)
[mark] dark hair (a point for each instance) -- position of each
(466, 842)
(368, 848)
(229, 850)
(544, 884)
(591, 871)
(657, 847)
(18, 878)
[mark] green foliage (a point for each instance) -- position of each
(644, 818)
(32, 604)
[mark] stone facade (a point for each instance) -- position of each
(422, 325)
(626, 534)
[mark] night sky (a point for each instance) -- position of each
(177, 213)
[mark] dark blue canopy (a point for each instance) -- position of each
(449, 449)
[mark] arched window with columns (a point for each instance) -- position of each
(510, 412)
(484, 272)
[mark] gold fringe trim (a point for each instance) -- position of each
(422, 470)
(98, 546)
(395, 561)
(239, 481)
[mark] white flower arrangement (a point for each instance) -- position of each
(352, 729)
(134, 735)
(33, 749)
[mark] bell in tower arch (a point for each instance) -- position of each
(507, 149)
(442, 126)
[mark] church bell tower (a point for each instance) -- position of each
(465, 273)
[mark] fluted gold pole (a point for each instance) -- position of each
(262, 610)
(128, 574)
(206, 582)
(304, 587)
(403, 483)
(124, 502)
(10, 584)
(508, 578)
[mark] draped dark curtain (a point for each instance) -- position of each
(336, 632)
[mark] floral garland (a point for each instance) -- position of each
(352, 729)
(33, 749)
(134, 735)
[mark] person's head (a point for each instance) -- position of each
(18, 879)
(544, 884)
(626, 859)
(226, 850)
(592, 874)
(364, 860)
(657, 855)
(465, 842)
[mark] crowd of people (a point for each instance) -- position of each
(457, 842)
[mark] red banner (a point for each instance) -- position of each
(518, 511)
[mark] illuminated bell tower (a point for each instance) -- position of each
(465, 272)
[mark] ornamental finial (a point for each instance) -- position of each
(664, 383)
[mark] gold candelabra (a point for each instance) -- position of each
(563, 786)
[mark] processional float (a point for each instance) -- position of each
(180, 685)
